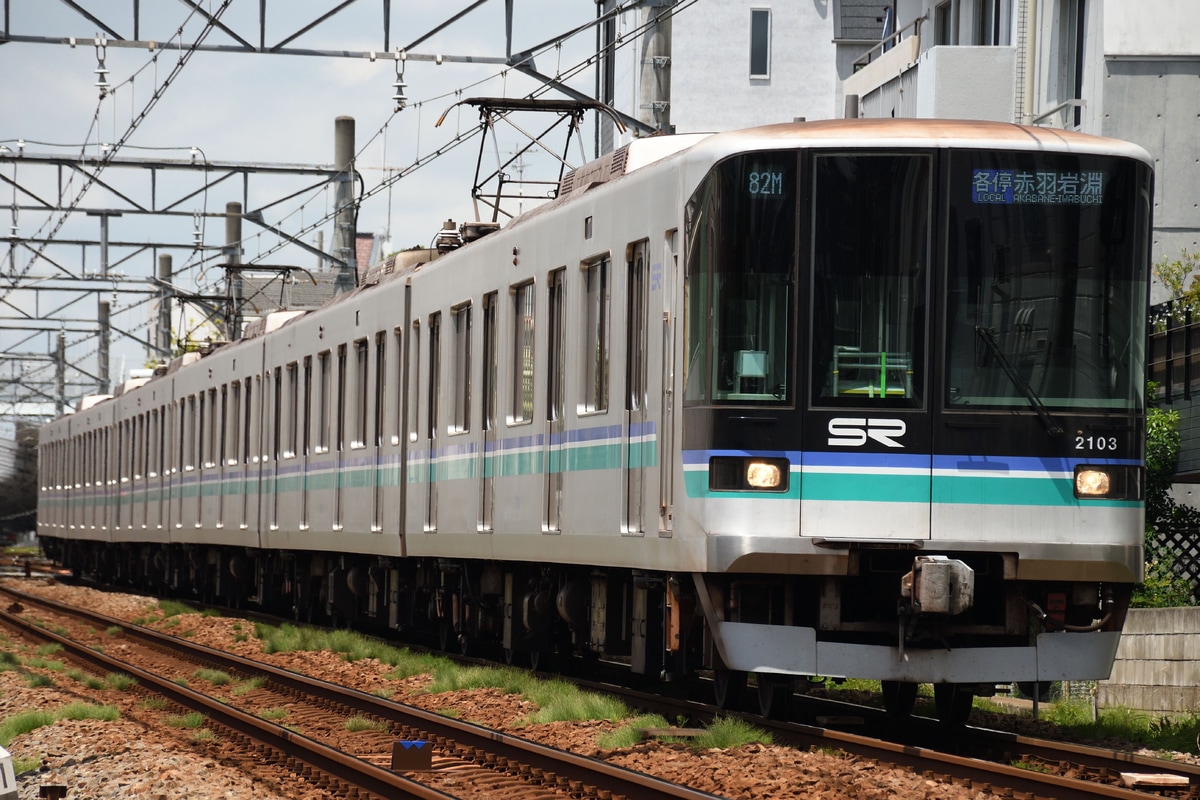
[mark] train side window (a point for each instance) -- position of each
(414, 381)
(595, 336)
(291, 412)
(274, 385)
(247, 421)
(740, 282)
(143, 446)
(139, 435)
(340, 413)
(214, 429)
(223, 435)
(522, 364)
(306, 417)
(190, 427)
(871, 231)
(398, 382)
(201, 430)
(460, 410)
(234, 428)
(556, 338)
(435, 376)
(324, 418)
(152, 452)
(362, 394)
(490, 357)
(380, 387)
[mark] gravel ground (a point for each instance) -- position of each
(137, 757)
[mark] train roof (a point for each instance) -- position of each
(937, 133)
(705, 149)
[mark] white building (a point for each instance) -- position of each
(1129, 69)
(726, 64)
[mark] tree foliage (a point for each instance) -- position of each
(1178, 276)
(1164, 585)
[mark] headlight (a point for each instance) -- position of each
(763, 475)
(747, 474)
(1092, 483)
(1108, 481)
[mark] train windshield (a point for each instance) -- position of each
(870, 261)
(1046, 292)
(742, 246)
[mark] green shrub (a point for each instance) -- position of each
(22, 723)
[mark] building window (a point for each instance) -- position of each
(760, 43)
(987, 22)
(1070, 58)
(945, 23)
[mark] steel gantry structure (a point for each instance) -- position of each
(63, 298)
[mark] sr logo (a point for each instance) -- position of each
(854, 431)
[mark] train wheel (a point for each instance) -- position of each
(445, 636)
(729, 687)
(899, 697)
(953, 702)
(774, 696)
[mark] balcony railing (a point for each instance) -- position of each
(889, 42)
(1174, 353)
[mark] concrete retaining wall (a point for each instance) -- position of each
(1157, 668)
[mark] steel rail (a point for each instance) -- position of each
(562, 764)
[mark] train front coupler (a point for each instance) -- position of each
(936, 588)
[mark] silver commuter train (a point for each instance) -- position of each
(844, 399)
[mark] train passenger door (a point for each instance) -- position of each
(868, 436)
(663, 279)
(639, 442)
(433, 404)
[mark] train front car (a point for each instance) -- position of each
(913, 406)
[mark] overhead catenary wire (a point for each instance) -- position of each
(391, 175)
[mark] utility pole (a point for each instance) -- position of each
(654, 85)
(233, 260)
(164, 305)
(60, 375)
(343, 222)
(105, 343)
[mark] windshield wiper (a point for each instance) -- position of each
(1035, 402)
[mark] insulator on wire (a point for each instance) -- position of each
(398, 87)
(101, 71)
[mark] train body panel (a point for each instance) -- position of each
(845, 398)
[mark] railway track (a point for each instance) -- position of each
(1071, 771)
(473, 755)
(1049, 768)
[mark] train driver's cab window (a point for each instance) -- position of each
(870, 264)
(741, 264)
